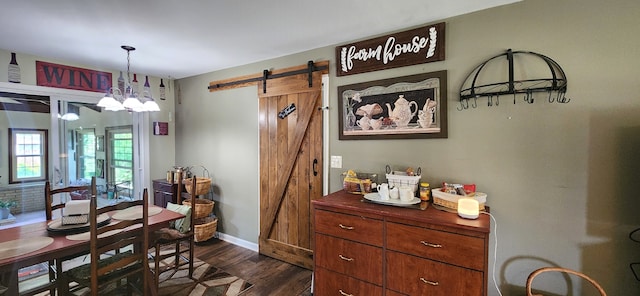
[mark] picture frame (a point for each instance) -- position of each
(100, 168)
(408, 107)
(99, 143)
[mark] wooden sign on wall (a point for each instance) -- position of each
(62, 76)
(416, 46)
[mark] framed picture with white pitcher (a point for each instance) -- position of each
(409, 107)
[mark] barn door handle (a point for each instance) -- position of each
(315, 165)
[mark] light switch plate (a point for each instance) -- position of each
(336, 161)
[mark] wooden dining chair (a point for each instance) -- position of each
(561, 270)
(118, 253)
(55, 198)
(55, 201)
(171, 242)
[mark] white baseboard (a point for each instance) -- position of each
(238, 242)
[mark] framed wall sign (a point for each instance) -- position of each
(409, 107)
(412, 47)
(160, 128)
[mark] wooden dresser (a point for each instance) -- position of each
(369, 249)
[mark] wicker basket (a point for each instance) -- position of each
(450, 201)
(403, 180)
(203, 207)
(202, 185)
(205, 228)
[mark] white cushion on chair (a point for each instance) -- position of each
(182, 225)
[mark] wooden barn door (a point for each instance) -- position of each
(290, 166)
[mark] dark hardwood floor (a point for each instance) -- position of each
(269, 276)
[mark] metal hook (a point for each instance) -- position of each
(464, 104)
(551, 99)
(497, 100)
(475, 102)
(529, 97)
(489, 101)
(562, 98)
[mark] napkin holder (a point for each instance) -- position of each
(76, 212)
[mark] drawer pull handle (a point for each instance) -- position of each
(345, 258)
(344, 294)
(431, 245)
(345, 227)
(429, 282)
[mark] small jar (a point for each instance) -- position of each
(425, 191)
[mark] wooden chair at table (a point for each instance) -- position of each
(55, 202)
(168, 241)
(128, 239)
(561, 270)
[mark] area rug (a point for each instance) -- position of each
(207, 280)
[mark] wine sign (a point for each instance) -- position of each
(416, 46)
(62, 76)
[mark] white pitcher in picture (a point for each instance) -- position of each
(363, 123)
(375, 124)
(401, 114)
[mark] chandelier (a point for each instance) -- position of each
(129, 99)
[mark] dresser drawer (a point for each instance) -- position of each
(360, 261)
(162, 186)
(438, 245)
(356, 228)
(332, 283)
(416, 276)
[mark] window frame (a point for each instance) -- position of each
(82, 155)
(110, 152)
(44, 154)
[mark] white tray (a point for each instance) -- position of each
(375, 197)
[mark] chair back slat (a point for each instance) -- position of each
(133, 233)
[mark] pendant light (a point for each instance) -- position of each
(116, 100)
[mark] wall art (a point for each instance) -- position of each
(411, 47)
(409, 107)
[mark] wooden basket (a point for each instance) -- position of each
(203, 207)
(205, 229)
(202, 185)
(450, 201)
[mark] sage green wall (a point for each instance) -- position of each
(560, 178)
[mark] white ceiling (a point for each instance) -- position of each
(176, 39)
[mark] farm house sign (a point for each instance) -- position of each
(416, 46)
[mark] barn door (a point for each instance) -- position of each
(290, 166)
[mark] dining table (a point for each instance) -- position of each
(30, 244)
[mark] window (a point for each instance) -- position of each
(86, 153)
(120, 154)
(28, 159)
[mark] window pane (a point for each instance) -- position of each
(29, 167)
(28, 155)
